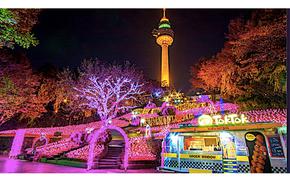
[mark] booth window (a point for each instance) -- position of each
(202, 143)
(210, 141)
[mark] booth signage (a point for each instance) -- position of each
(250, 137)
(202, 157)
(230, 119)
(276, 148)
(169, 155)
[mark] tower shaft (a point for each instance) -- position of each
(164, 66)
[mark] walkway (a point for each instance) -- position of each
(21, 166)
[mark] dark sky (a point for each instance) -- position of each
(68, 36)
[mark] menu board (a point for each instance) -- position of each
(276, 148)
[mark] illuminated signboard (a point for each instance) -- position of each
(230, 119)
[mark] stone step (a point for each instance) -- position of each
(113, 154)
(108, 159)
(110, 149)
(115, 146)
(108, 163)
(112, 157)
(109, 166)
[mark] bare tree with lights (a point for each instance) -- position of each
(109, 90)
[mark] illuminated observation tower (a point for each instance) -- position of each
(164, 37)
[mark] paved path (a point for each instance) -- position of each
(20, 166)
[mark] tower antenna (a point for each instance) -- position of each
(164, 13)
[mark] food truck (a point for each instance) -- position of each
(225, 144)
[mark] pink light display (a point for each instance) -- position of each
(83, 153)
(135, 148)
(68, 130)
(139, 150)
(217, 107)
(17, 143)
(56, 148)
(268, 115)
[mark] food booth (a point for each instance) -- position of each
(225, 144)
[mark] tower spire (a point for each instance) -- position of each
(164, 13)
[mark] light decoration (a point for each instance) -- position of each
(76, 137)
(139, 149)
(233, 108)
(165, 110)
(17, 143)
(55, 148)
(150, 105)
(106, 95)
(267, 115)
(157, 93)
(142, 121)
(68, 130)
(148, 131)
(134, 114)
(89, 130)
(83, 152)
(42, 137)
(282, 130)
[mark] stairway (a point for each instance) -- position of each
(112, 160)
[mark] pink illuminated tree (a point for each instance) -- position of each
(21, 90)
(251, 67)
(109, 89)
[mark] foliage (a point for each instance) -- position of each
(21, 90)
(251, 68)
(15, 27)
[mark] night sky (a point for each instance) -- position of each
(69, 36)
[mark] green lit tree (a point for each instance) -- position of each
(16, 26)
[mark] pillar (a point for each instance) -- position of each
(17, 143)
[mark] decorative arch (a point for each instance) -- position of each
(91, 155)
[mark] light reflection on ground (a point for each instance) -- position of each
(19, 166)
